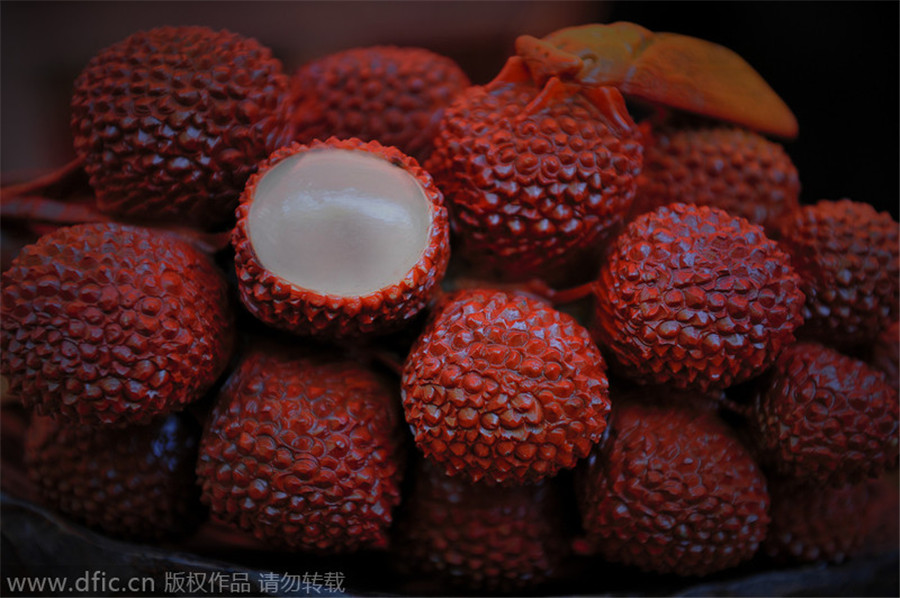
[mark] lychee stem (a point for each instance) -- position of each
(571, 295)
(387, 360)
(38, 185)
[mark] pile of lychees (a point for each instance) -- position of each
(728, 386)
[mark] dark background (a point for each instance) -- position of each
(836, 64)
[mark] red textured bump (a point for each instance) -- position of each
(813, 524)
(885, 353)
(393, 95)
(827, 418)
(170, 123)
(695, 298)
(501, 387)
(849, 257)
(480, 537)
(281, 304)
(113, 324)
(730, 168)
(535, 175)
(672, 490)
(304, 452)
(136, 482)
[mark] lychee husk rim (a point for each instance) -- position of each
(287, 306)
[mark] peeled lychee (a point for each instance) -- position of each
(848, 256)
(113, 324)
(730, 168)
(340, 238)
(693, 297)
(535, 174)
(136, 482)
(304, 452)
(501, 387)
(672, 490)
(826, 418)
(393, 95)
(170, 123)
(480, 537)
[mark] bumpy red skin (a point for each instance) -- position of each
(113, 324)
(826, 418)
(503, 388)
(672, 490)
(390, 94)
(885, 353)
(737, 170)
(695, 298)
(286, 306)
(849, 258)
(812, 524)
(535, 175)
(136, 482)
(480, 537)
(304, 452)
(171, 122)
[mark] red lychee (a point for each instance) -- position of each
(535, 174)
(848, 256)
(815, 524)
(672, 490)
(501, 387)
(136, 482)
(730, 168)
(113, 324)
(304, 452)
(824, 417)
(480, 537)
(393, 95)
(170, 123)
(693, 297)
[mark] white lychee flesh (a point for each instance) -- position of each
(339, 222)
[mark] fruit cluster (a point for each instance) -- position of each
(385, 356)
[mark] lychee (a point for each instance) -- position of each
(501, 387)
(340, 238)
(885, 353)
(730, 168)
(113, 324)
(693, 297)
(475, 536)
(136, 482)
(672, 490)
(848, 256)
(535, 173)
(171, 122)
(814, 524)
(824, 417)
(393, 95)
(304, 452)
